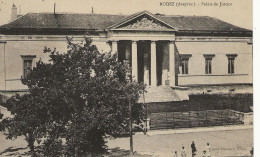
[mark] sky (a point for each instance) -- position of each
(240, 13)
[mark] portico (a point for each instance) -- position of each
(147, 45)
(152, 61)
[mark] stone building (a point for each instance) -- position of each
(167, 52)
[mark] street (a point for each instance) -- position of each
(223, 143)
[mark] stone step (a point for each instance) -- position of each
(163, 94)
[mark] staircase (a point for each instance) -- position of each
(163, 94)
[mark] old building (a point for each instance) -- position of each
(200, 52)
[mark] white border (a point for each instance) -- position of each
(256, 74)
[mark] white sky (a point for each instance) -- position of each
(239, 14)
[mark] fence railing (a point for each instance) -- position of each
(170, 120)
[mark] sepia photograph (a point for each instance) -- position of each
(116, 78)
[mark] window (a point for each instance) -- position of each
(27, 64)
(185, 64)
(208, 63)
(27, 67)
(231, 63)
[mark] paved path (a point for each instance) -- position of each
(198, 129)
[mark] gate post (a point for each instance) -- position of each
(148, 124)
(206, 117)
(189, 120)
(173, 123)
(228, 116)
(166, 126)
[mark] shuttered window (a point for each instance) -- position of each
(208, 63)
(27, 64)
(185, 63)
(231, 63)
(27, 67)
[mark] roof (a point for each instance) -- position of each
(199, 23)
(92, 21)
(69, 21)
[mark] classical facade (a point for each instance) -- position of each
(162, 50)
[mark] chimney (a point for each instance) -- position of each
(14, 13)
(54, 9)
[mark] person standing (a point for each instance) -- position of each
(183, 152)
(175, 154)
(208, 150)
(193, 149)
(204, 154)
(252, 152)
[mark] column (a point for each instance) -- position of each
(165, 64)
(128, 52)
(153, 64)
(146, 70)
(114, 47)
(172, 63)
(134, 61)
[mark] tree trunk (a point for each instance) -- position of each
(30, 140)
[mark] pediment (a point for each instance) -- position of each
(145, 23)
(142, 21)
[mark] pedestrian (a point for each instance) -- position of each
(183, 152)
(208, 150)
(252, 151)
(175, 154)
(204, 154)
(193, 149)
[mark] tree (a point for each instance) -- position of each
(28, 119)
(84, 96)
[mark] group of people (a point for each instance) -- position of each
(206, 152)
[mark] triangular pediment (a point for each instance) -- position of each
(142, 21)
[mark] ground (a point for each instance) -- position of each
(223, 143)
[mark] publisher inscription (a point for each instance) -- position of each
(194, 4)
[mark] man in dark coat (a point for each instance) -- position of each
(193, 149)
